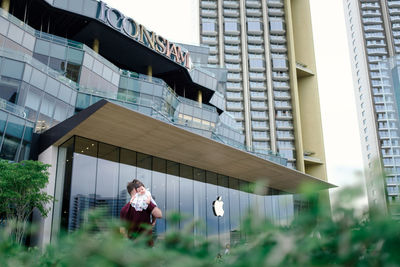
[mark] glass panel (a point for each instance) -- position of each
(81, 196)
(107, 179)
(212, 194)
(60, 112)
(73, 71)
(224, 221)
(15, 126)
(64, 166)
(74, 55)
(173, 191)
(234, 210)
(3, 120)
(199, 195)
(42, 47)
(12, 68)
(9, 148)
(144, 169)
(186, 195)
(127, 172)
(159, 189)
(57, 51)
(9, 89)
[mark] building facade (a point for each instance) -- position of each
(267, 48)
(374, 39)
(103, 100)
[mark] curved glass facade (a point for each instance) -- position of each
(92, 174)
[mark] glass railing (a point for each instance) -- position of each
(4, 52)
(59, 40)
(12, 108)
(17, 22)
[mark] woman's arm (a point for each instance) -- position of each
(156, 212)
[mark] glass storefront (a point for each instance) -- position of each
(92, 174)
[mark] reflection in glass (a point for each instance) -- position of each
(172, 190)
(199, 195)
(158, 189)
(107, 178)
(212, 194)
(144, 169)
(224, 221)
(234, 207)
(64, 165)
(186, 195)
(83, 182)
(127, 172)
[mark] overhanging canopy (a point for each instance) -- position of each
(116, 125)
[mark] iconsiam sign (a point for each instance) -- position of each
(138, 32)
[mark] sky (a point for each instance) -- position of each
(177, 20)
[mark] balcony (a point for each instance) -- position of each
(275, 3)
(209, 13)
(277, 39)
(366, 6)
(257, 76)
(234, 77)
(395, 19)
(232, 49)
(234, 96)
(278, 48)
(281, 95)
(287, 137)
(253, 12)
(278, 12)
(394, 11)
(380, 43)
(280, 76)
(283, 117)
(232, 4)
(284, 105)
(258, 105)
(231, 13)
(373, 28)
(257, 96)
(209, 4)
(371, 13)
(372, 20)
(255, 48)
(284, 125)
(255, 39)
(232, 58)
(253, 3)
(281, 85)
(394, 4)
(232, 39)
(209, 40)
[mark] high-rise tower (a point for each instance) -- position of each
(267, 47)
(374, 39)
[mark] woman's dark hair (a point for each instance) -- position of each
(137, 184)
(129, 187)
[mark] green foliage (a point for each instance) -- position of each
(313, 239)
(21, 186)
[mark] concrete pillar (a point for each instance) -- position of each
(43, 237)
(96, 45)
(5, 4)
(200, 98)
(150, 73)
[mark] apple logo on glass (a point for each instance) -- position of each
(218, 207)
